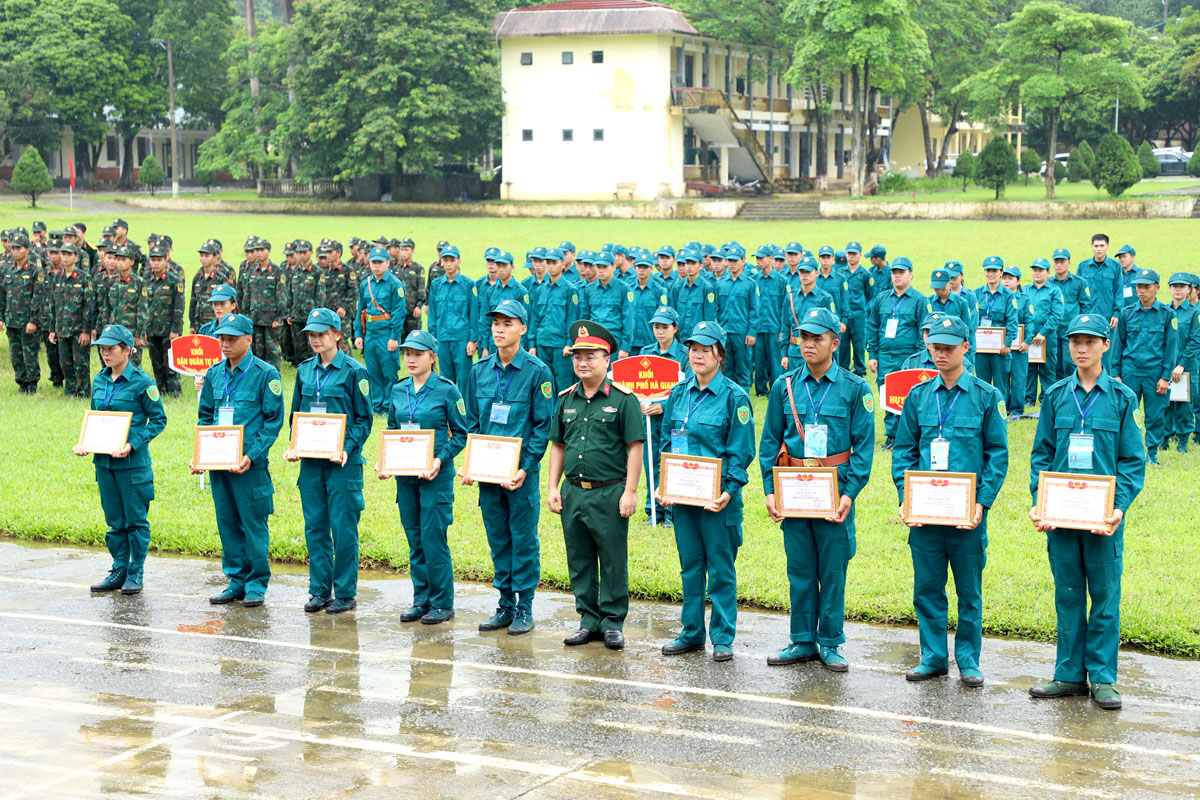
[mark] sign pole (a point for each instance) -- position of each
(650, 475)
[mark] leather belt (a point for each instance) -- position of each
(835, 460)
(592, 484)
(378, 317)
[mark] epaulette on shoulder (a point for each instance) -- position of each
(622, 388)
(568, 389)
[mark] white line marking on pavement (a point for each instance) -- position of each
(856, 711)
(132, 665)
(1024, 783)
(658, 730)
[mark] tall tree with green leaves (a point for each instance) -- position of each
(26, 111)
(1051, 55)
(997, 165)
(1117, 166)
(200, 31)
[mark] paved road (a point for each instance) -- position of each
(166, 696)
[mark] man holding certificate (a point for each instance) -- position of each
(596, 443)
(243, 391)
(124, 475)
(509, 394)
(1088, 426)
(331, 486)
(998, 311)
(954, 423)
(818, 415)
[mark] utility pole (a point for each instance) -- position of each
(166, 44)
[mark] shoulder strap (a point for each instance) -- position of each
(373, 300)
(792, 402)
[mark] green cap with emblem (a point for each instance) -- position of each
(111, 335)
(1088, 325)
(420, 340)
(949, 330)
(706, 333)
(993, 262)
(821, 320)
(322, 319)
(1145, 277)
(235, 325)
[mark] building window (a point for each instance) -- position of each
(110, 148)
(526, 59)
(143, 149)
(568, 57)
(527, 134)
(597, 56)
(598, 134)
(568, 135)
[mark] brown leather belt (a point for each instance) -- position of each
(592, 484)
(378, 317)
(835, 460)
(796, 340)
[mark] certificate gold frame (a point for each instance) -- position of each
(818, 475)
(670, 463)
(1181, 391)
(1073, 481)
(303, 422)
(952, 481)
(105, 418)
(993, 339)
(412, 439)
(476, 441)
(217, 431)
(1020, 336)
(1040, 356)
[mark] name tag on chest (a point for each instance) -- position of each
(679, 443)
(225, 415)
(1080, 450)
(499, 413)
(816, 441)
(939, 454)
(889, 331)
(316, 408)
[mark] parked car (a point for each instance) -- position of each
(1172, 160)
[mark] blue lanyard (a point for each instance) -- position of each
(991, 299)
(815, 403)
(1083, 412)
(109, 394)
(503, 389)
(322, 381)
(897, 301)
(421, 394)
(703, 394)
(942, 417)
(230, 385)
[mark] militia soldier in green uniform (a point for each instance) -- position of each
(128, 301)
(1180, 417)
(412, 275)
(164, 305)
(125, 477)
(596, 440)
(307, 293)
(265, 301)
(22, 295)
(72, 317)
(207, 277)
(1145, 346)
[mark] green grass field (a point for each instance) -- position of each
(46, 493)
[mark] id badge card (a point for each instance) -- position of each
(500, 413)
(409, 426)
(939, 454)
(316, 408)
(985, 322)
(1129, 291)
(816, 441)
(679, 444)
(1079, 451)
(225, 416)
(889, 331)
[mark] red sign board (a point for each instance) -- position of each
(897, 385)
(193, 355)
(648, 377)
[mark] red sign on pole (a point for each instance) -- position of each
(897, 385)
(71, 169)
(193, 355)
(648, 377)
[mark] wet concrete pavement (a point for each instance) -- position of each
(166, 696)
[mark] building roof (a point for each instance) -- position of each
(591, 17)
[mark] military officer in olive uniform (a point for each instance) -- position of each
(307, 289)
(22, 295)
(341, 289)
(416, 294)
(265, 301)
(596, 443)
(206, 278)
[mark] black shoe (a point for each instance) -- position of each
(316, 602)
(1165, 444)
(521, 624)
(679, 647)
(413, 614)
(114, 581)
(501, 619)
(133, 583)
(614, 639)
(228, 596)
(252, 601)
(923, 673)
(437, 615)
(888, 443)
(342, 605)
(581, 636)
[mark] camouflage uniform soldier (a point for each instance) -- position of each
(436, 270)
(120, 235)
(53, 276)
(208, 276)
(164, 292)
(223, 267)
(308, 292)
(341, 289)
(266, 303)
(128, 301)
(412, 275)
(73, 317)
(102, 281)
(250, 251)
(287, 338)
(38, 251)
(21, 297)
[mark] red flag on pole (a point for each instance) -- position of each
(71, 169)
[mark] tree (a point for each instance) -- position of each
(198, 30)
(1117, 166)
(1149, 164)
(1060, 172)
(30, 176)
(151, 175)
(1052, 56)
(26, 114)
(205, 177)
(1193, 165)
(1079, 163)
(1031, 163)
(965, 167)
(997, 165)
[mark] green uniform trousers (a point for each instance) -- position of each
(125, 496)
(52, 360)
(818, 553)
(739, 360)
(707, 545)
(1064, 365)
(453, 362)
(160, 360)
(1018, 374)
(1196, 399)
(1083, 565)
(426, 511)
(597, 540)
(332, 500)
(511, 522)
(382, 368)
(243, 504)
(650, 466)
(766, 362)
(76, 360)
(23, 353)
(268, 344)
(1045, 373)
(934, 547)
(1181, 418)
(856, 337)
(993, 368)
(561, 367)
(1153, 404)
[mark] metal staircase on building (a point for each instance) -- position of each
(717, 123)
(770, 209)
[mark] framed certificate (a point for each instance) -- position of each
(1037, 353)
(1082, 502)
(104, 431)
(405, 452)
(1020, 336)
(1180, 391)
(690, 480)
(491, 459)
(989, 340)
(939, 498)
(318, 435)
(218, 446)
(806, 491)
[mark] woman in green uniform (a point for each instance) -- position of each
(125, 477)
(331, 490)
(709, 415)
(427, 401)
(224, 301)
